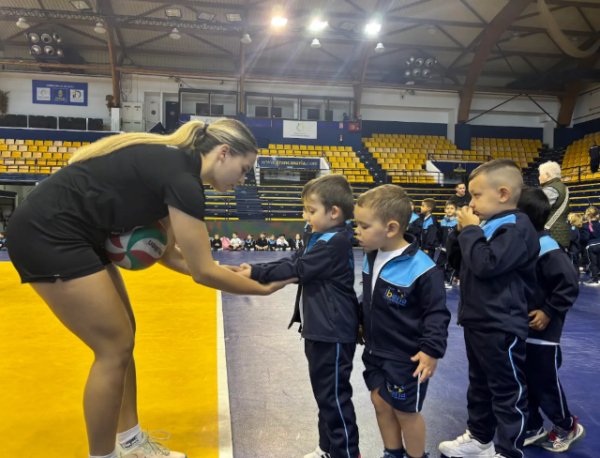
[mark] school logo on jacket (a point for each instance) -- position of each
(396, 391)
(395, 296)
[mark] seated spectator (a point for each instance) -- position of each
(262, 244)
(282, 243)
(225, 242)
(235, 243)
(272, 242)
(2, 241)
(215, 243)
(249, 243)
(298, 242)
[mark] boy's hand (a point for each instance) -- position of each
(245, 270)
(361, 335)
(231, 268)
(426, 366)
(538, 320)
(466, 217)
(277, 285)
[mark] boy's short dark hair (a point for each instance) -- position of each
(388, 202)
(430, 203)
(534, 203)
(504, 172)
(332, 190)
(450, 202)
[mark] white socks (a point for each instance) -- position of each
(128, 436)
(110, 455)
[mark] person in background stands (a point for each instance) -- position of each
(558, 196)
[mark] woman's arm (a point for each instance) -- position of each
(192, 238)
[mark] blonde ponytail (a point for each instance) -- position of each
(192, 135)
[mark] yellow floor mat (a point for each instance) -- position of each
(43, 368)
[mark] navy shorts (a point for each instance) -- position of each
(44, 249)
(396, 384)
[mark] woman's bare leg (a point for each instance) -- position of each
(93, 310)
(128, 416)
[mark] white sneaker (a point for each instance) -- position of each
(318, 453)
(466, 446)
(146, 447)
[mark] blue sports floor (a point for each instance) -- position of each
(273, 411)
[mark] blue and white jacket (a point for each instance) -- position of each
(556, 291)
(406, 312)
(326, 303)
(430, 236)
(496, 263)
(447, 225)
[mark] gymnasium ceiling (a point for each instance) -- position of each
(523, 56)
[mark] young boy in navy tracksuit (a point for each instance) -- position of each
(556, 291)
(430, 238)
(496, 263)
(405, 319)
(415, 224)
(327, 309)
(447, 225)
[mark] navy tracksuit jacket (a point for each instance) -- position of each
(556, 291)
(327, 308)
(496, 263)
(406, 313)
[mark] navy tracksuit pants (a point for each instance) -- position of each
(545, 389)
(329, 367)
(497, 394)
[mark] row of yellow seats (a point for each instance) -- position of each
(34, 155)
(504, 141)
(379, 135)
(353, 178)
(418, 179)
(310, 147)
(28, 169)
(334, 159)
(31, 161)
(19, 141)
(35, 149)
(380, 144)
(419, 156)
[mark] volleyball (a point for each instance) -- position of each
(139, 248)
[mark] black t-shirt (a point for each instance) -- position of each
(460, 201)
(114, 193)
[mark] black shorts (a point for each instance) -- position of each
(45, 249)
(395, 381)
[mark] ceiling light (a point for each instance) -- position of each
(407, 73)
(233, 17)
(49, 50)
(246, 39)
(430, 62)
(46, 38)
(426, 73)
(279, 21)
(175, 35)
(379, 47)
(172, 12)
(80, 5)
(316, 44)
(419, 61)
(22, 23)
(57, 37)
(99, 27)
(317, 25)
(35, 50)
(372, 28)
(59, 52)
(416, 72)
(208, 17)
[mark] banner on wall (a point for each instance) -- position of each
(60, 93)
(300, 129)
(286, 162)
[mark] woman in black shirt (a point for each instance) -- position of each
(57, 236)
